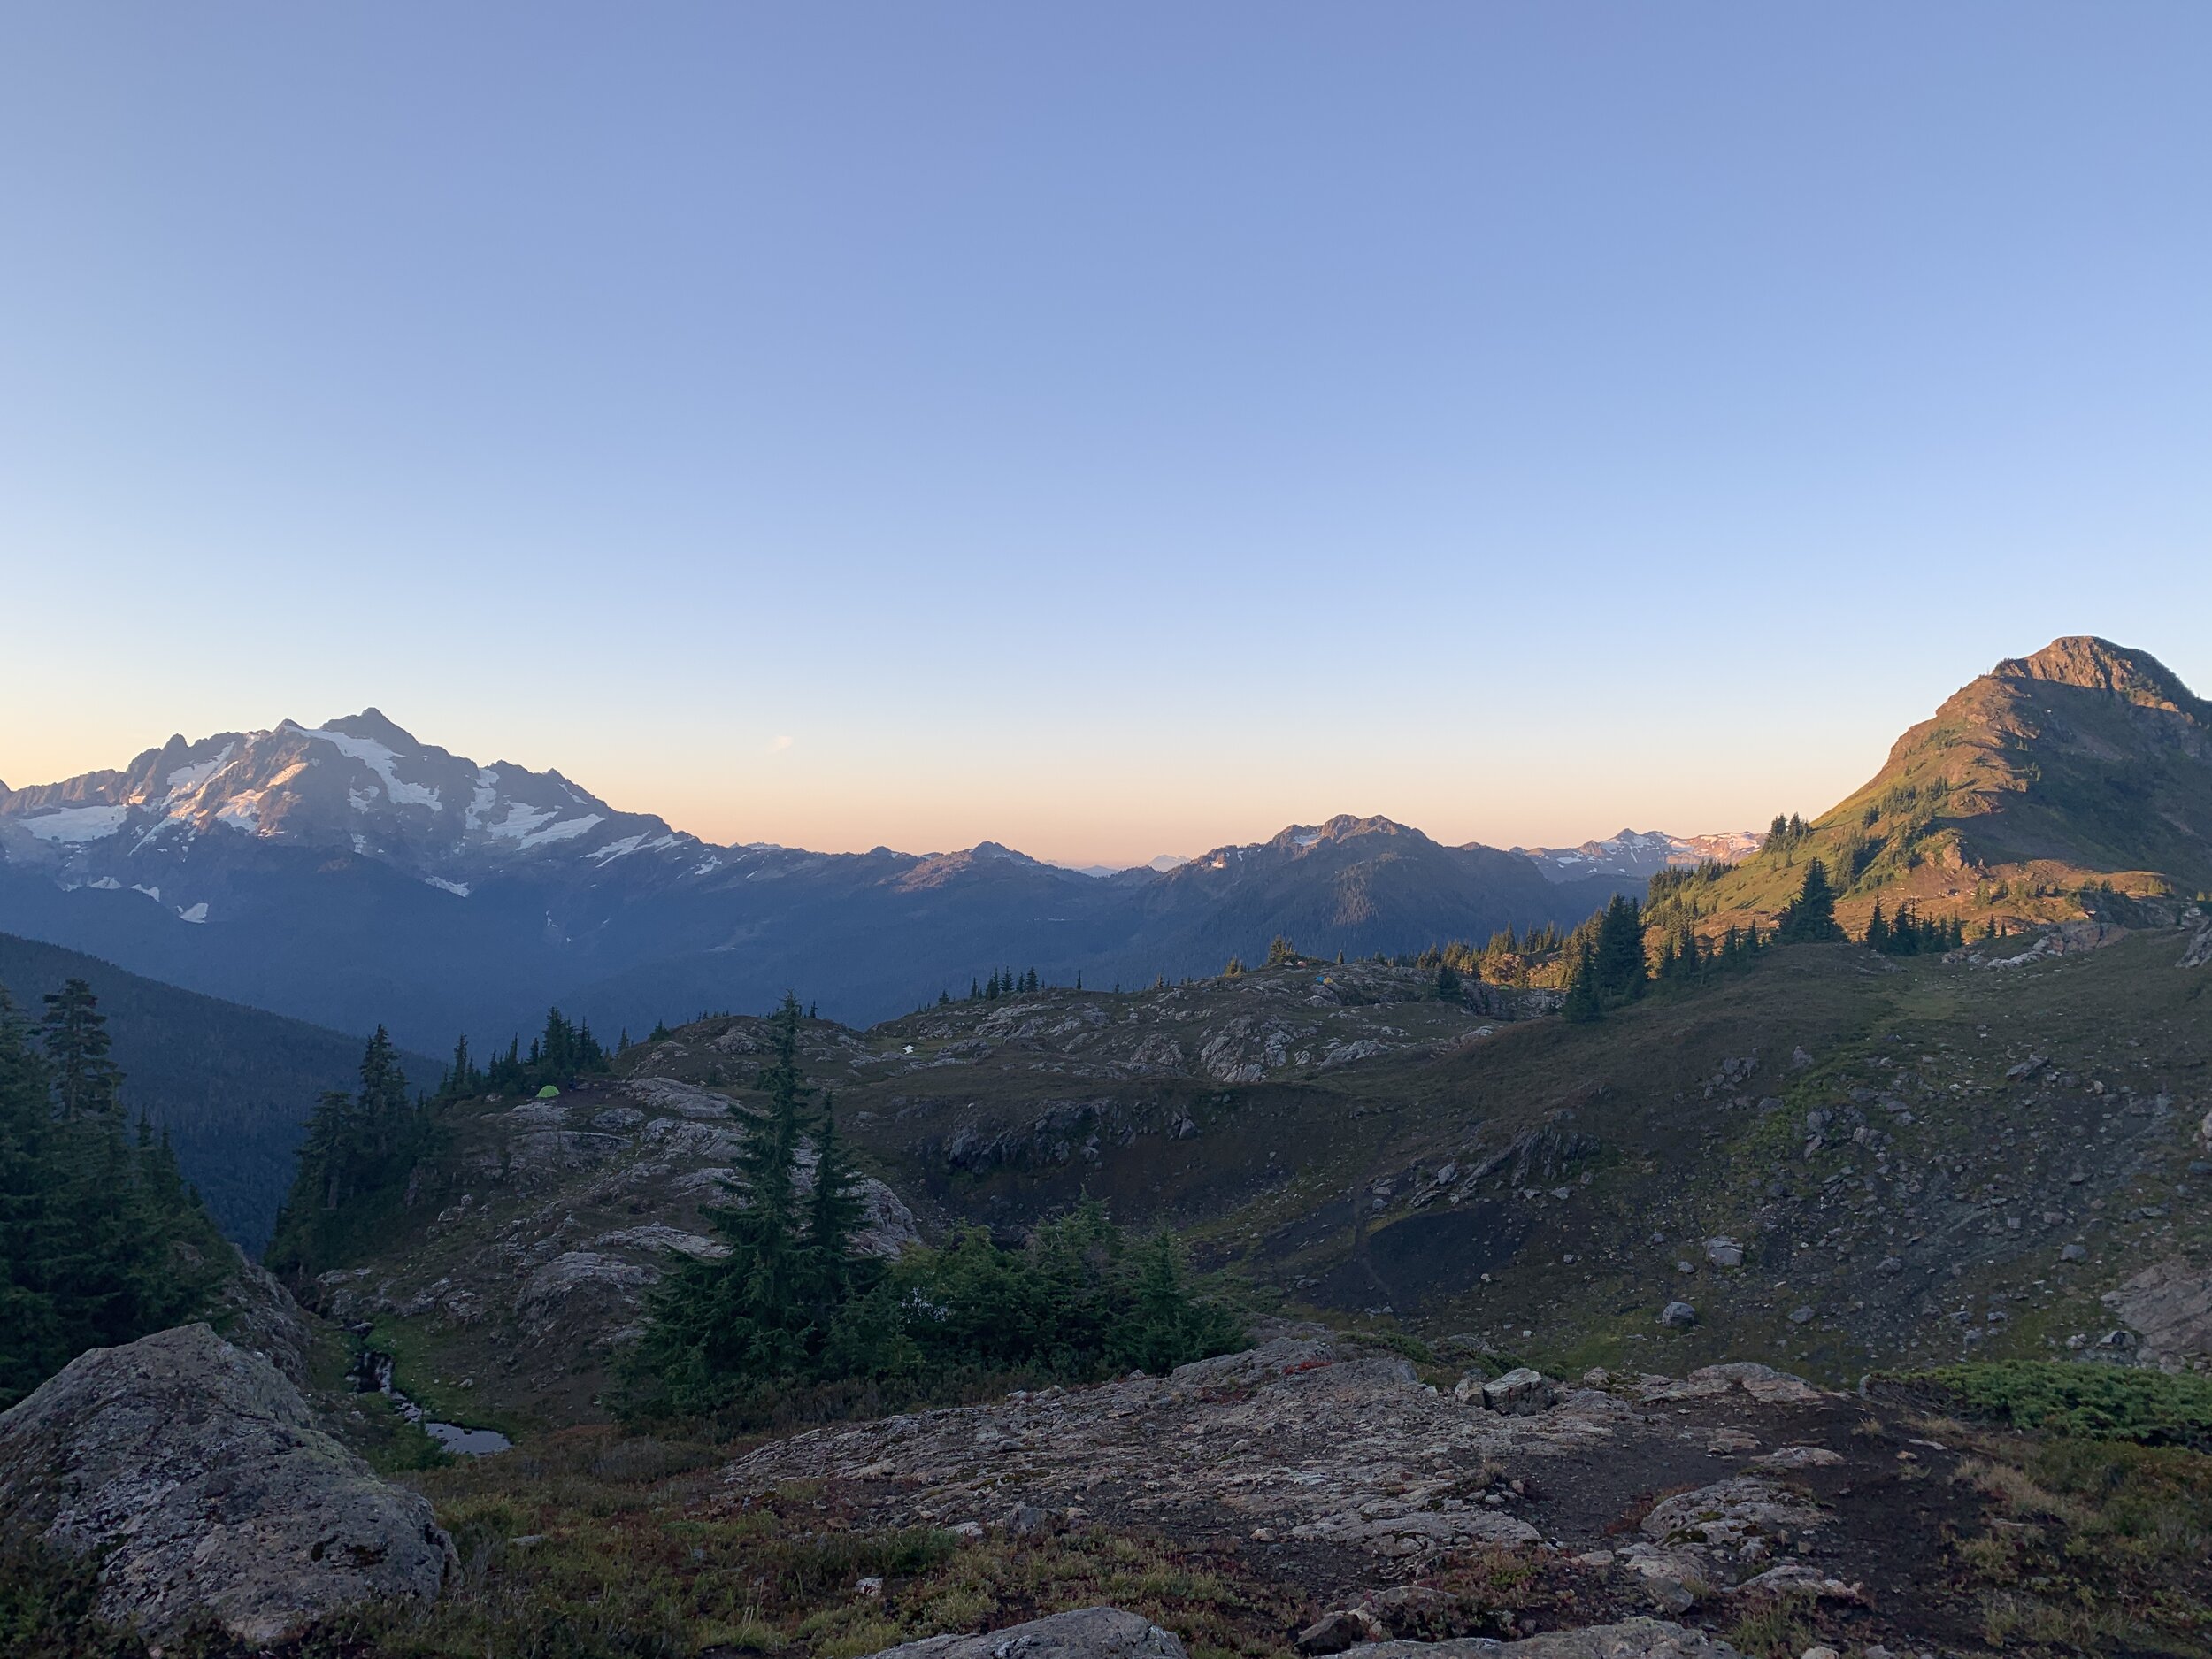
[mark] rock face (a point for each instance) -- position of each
(2170, 1303)
(1090, 1632)
(200, 1466)
(550, 1223)
(266, 1320)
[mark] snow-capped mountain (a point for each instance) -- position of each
(1640, 854)
(352, 875)
(361, 785)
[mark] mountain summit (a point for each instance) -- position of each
(2056, 785)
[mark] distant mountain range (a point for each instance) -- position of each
(349, 874)
(1640, 854)
(2074, 782)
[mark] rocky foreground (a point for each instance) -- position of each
(1331, 1462)
(196, 1471)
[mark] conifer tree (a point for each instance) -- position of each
(101, 1240)
(1810, 917)
(76, 1040)
(1877, 932)
(834, 1214)
(747, 1314)
(1618, 952)
(1583, 1005)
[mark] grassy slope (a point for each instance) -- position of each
(2018, 791)
(1967, 1204)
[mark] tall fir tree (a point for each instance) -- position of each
(1583, 1005)
(76, 1040)
(1810, 917)
(1619, 951)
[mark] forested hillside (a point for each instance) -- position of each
(233, 1086)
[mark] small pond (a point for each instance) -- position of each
(372, 1374)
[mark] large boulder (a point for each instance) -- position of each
(1090, 1632)
(199, 1468)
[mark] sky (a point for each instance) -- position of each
(1110, 431)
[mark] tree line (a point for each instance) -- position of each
(101, 1240)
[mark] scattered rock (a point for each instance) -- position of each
(199, 1469)
(1632, 1638)
(1800, 1315)
(1520, 1393)
(1678, 1315)
(1801, 1458)
(1724, 1252)
(1333, 1632)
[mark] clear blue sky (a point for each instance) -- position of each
(1110, 430)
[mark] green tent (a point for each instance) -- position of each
(548, 1092)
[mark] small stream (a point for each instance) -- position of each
(372, 1374)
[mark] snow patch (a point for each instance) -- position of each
(196, 913)
(567, 830)
(74, 824)
(521, 820)
(485, 798)
(152, 892)
(243, 810)
(361, 800)
(707, 866)
(627, 845)
(459, 889)
(187, 779)
(384, 762)
(105, 884)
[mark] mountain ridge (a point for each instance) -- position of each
(2071, 784)
(350, 873)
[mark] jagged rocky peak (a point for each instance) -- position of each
(1343, 827)
(361, 785)
(1640, 852)
(372, 725)
(2097, 665)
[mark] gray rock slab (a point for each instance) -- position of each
(1090, 1632)
(199, 1467)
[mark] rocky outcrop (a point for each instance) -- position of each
(1311, 1441)
(198, 1469)
(1357, 1453)
(263, 1318)
(2200, 951)
(1632, 1638)
(2171, 1305)
(1090, 1632)
(1107, 1633)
